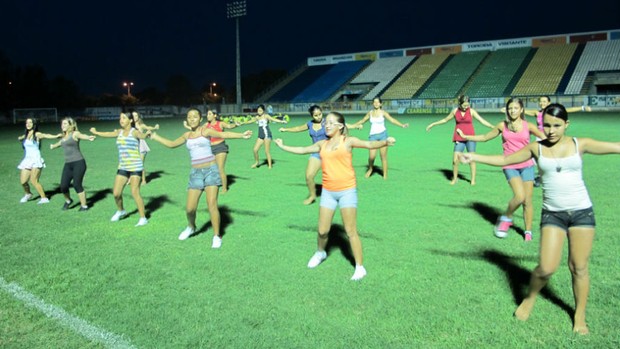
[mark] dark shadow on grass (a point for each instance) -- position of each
(485, 211)
(50, 193)
(375, 171)
(99, 195)
(225, 220)
(264, 162)
(518, 278)
(231, 180)
(155, 204)
(151, 176)
(338, 239)
(448, 175)
(490, 214)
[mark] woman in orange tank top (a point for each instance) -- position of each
(339, 185)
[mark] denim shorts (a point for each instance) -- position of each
(128, 174)
(378, 136)
(568, 219)
(200, 178)
(526, 174)
(344, 199)
(459, 147)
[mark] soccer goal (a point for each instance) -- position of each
(41, 114)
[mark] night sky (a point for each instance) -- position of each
(100, 44)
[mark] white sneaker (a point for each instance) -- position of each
(359, 273)
(118, 215)
(317, 258)
(43, 201)
(186, 233)
(25, 198)
(142, 221)
(217, 242)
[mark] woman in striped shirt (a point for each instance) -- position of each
(130, 166)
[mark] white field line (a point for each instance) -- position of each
(82, 327)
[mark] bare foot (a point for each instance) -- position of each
(143, 182)
(581, 329)
(255, 165)
(224, 191)
(473, 183)
(309, 200)
(523, 311)
(368, 173)
(453, 181)
(579, 326)
(385, 177)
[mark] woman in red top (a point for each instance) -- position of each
(339, 185)
(218, 146)
(463, 115)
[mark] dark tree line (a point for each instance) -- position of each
(30, 87)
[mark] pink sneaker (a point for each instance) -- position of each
(528, 236)
(502, 226)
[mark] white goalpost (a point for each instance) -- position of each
(41, 114)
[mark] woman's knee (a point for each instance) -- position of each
(544, 272)
(578, 269)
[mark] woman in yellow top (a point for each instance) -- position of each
(339, 185)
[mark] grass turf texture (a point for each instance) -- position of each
(437, 277)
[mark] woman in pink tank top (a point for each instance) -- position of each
(515, 133)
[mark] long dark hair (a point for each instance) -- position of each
(35, 129)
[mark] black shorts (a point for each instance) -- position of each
(128, 174)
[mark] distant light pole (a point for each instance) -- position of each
(211, 86)
(128, 84)
(235, 10)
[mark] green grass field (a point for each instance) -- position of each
(437, 277)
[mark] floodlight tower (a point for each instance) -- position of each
(236, 9)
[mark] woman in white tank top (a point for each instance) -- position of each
(378, 132)
(567, 209)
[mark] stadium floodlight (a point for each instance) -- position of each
(237, 9)
(128, 84)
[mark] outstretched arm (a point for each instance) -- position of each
(394, 121)
(442, 121)
(168, 143)
(82, 136)
(104, 134)
(271, 118)
(496, 131)
(481, 119)
(578, 109)
(299, 128)
(227, 125)
(355, 142)
(360, 122)
(591, 146)
(207, 132)
(315, 148)
(526, 153)
(41, 135)
(149, 128)
(536, 132)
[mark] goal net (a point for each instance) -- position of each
(41, 114)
